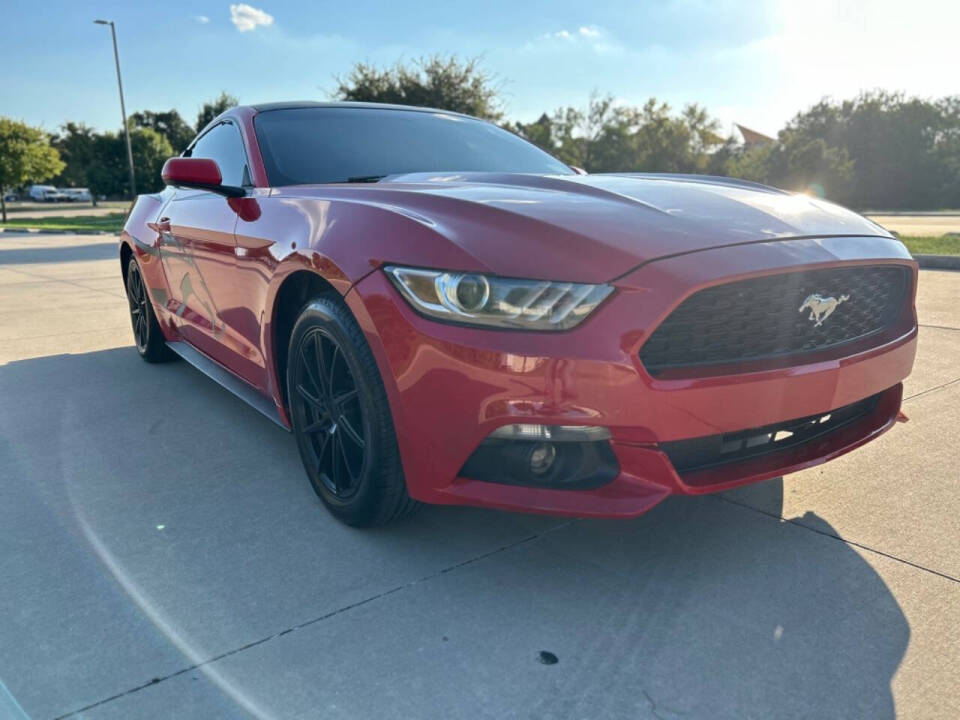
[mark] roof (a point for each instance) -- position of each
(302, 104)
(752, 137)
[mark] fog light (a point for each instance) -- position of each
(542, 462)
(542, 456)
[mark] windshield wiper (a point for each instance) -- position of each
(365, 178)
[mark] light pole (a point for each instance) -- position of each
(123, 109)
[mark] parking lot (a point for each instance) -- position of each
(932, 224)
(162, 555)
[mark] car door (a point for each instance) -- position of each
(198, 250)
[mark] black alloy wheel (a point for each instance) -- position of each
(146, 330)
(328, 404)
(137, 298)
(341, 417)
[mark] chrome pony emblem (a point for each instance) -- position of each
(821, 307)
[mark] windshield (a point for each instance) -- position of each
(332, 145)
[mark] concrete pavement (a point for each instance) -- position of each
(162, 555)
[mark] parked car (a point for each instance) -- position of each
(44, 193)
(441, 312)
(11, 197)
(76, 195)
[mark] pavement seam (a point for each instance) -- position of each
(939, 327)
(321, 618)
(775, 516)
(66, 334)
(933, 389)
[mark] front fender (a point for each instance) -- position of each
(340, 241)
(140, 237)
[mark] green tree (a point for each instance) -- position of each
(210, 110)
(596, 138)
(948, 149)
(540, 132)
(606, 137)
(25, 156)
(903, 152)
(750, 163)
(76, 144)
(150, 151)
(109, 175)
(446, 83)
(169, 124)
(804, 164)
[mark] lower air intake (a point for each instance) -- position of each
(710, 451)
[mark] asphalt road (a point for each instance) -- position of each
(162, 555)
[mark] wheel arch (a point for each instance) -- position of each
(126, 252)
(296, 289)
(349, 241)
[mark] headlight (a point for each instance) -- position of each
(496, 301)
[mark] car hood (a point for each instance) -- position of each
(594, 228)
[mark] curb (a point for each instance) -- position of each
(938, 262)
(907, 213)
(35, 231)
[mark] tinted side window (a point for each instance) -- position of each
(223, 144)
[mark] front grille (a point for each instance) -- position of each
(760, 318)
(710, 451)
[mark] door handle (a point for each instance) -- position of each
(163, 224)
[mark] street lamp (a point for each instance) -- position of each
(123, 109)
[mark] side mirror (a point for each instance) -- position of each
(198, 173)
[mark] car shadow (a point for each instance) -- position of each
(151, 520)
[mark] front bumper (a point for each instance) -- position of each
(449, 386)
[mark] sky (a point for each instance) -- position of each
(756, 62)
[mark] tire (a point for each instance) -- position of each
(147, 335)
(341, 418)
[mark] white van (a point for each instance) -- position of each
(76, 194)
(44, 193)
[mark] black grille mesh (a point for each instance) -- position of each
(759, 318)
(706, 452)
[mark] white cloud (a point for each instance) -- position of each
(247, 18)
(202, 19)
(591, 34)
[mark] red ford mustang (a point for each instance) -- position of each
(441, 312)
